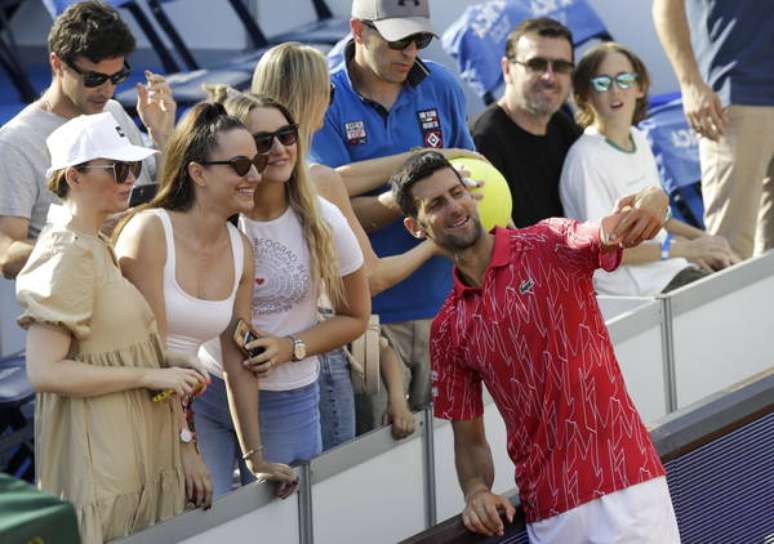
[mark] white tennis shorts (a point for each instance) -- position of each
(640, 514)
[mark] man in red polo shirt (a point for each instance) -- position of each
(522, 317)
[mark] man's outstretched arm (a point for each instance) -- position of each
(475, 471)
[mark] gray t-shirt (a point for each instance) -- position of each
(24, 160)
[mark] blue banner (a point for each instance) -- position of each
(477, 39)
(674, 144)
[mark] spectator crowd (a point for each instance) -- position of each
(200, 339)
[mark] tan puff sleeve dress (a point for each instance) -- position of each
(115, 456)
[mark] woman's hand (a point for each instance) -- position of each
(198, 482)
(400, 417)
(710, 253)
(176, 359)
(283, 476)
(183, 381)
(277, 350)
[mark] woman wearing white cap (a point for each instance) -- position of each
(94, 355)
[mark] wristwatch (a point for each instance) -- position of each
(299, 348)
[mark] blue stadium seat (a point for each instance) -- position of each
(327, 29)
(237, 71)
(476, 40)
(16, 416)
(55, 7)
(676, 148)
(9, 61)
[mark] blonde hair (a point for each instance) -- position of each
(57, 183)
(295, 75)
(301, 196)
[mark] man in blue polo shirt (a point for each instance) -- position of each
(388, 101)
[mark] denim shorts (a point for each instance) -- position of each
(290, 430)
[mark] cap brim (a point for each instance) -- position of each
(401, 27)
(130, 153)
(126, 153)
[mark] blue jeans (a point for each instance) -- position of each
(337, 400)
(290, 431)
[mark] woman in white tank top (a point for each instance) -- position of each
(194, 267)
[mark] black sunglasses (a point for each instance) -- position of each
(287, 136)
(120, 169)
(540, 65)
(95, 79)
(241, 164)
(421, 39)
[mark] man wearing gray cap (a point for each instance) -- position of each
(389, 101)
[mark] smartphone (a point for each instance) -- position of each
(243, 335)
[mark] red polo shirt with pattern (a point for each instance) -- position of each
(533, 333)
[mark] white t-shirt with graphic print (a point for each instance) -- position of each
(284, 301)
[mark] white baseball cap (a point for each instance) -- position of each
(88, 137)
(395, 19)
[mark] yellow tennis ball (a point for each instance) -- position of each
(496, 206)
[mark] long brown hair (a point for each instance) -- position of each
(589, 65)
(193, 140)
(300, 194)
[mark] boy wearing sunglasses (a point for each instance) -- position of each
(613, 159)
(389, 101)
(88, 45)
(524, 134)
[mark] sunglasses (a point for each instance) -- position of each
(539, 65)
(332, 95)
(624, 80)
(287, 136)
(241, 164)
(95, 79)
(120, 169)
(421, 39)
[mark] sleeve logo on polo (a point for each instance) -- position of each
(431, 128)
(355, 132)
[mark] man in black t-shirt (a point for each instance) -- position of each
(524, 134)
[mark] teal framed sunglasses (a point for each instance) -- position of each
(624, 80)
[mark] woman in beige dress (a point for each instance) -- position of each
(94, 355)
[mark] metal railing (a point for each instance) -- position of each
(381, 490)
